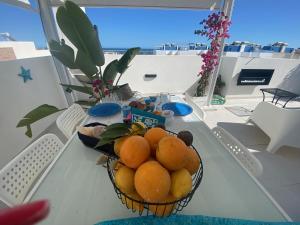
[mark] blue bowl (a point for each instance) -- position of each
(104, 109)
(179, 109)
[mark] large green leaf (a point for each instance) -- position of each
(126, 59)
(114, 133)
(110, 72)
(117, 125)
(63, 52)
(28, 131)
(103, 142)
(86, 103)
(36, 114)
(75, 24)
(85, 64)
(83, 89)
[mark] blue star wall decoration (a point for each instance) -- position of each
(25, 74)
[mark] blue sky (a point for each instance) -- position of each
(260, 21)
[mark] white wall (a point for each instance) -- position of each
(17, 98)
(24, 49)
(175, 74)
(231, 67)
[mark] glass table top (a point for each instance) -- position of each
(80, 192)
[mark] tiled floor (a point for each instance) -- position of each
(281, 171)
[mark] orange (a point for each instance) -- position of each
(172, 153)
(118, 144)
(131, 204)
(134, 151)
(124, 178)
(181, 183)
(163, 210)
(152, 181)
(153, 136)
(193, 161)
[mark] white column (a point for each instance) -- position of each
(227, 9)
(50, 31)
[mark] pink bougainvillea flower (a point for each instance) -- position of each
(215, 27)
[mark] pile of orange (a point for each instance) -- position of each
(157, 168)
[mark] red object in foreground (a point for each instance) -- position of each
(26, 214)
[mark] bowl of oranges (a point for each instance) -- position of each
(157, 172)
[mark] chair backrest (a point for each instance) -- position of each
(69, 119)
(239, 151)
(19, 176)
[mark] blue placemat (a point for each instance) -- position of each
(189, 220)
(104, 109)
(179, 109)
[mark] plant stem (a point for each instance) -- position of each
(118, 80)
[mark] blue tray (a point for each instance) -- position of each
(179, 109)
(104, 109)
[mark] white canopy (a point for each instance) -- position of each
(19, 3)
(175, 4)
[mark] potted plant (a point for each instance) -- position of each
(89, 58)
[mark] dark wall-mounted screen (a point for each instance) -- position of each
(255, 77)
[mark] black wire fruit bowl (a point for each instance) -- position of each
(144, 208)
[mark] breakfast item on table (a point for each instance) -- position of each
(153, 136)
(95, 131)
(172, 153)
(133, 204)
(88, 131)
(181, 183)
(124, 179)
(163, 210)
(134, 151)
(138, 105)
(156, 112)
(118, 144)
(152, 181)
(186, 136)
(193, 161)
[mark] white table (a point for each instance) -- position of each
(80, 192)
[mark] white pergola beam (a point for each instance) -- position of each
(169, 4)
(25, 4)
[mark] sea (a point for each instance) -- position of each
(143, 51)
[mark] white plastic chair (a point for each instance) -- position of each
(69, 119)
(239, 151)
(19, 176)
(280, 124)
